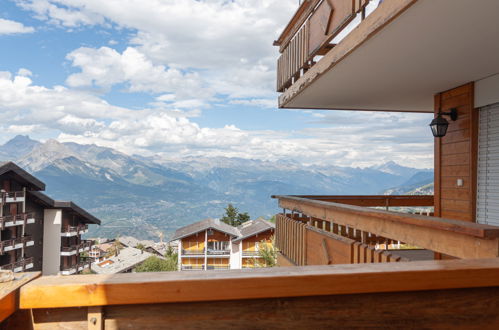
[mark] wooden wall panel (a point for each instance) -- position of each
(455, 156)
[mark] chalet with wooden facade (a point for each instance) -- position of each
(39, 233)
(214, 245)
(427, 56)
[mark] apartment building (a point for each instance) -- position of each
(37, 232)
(211, 244)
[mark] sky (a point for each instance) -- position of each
(178, 78)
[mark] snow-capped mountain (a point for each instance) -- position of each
(146, 195)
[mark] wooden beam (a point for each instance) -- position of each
(455, 308)
(9, 292)
(471, 229)
(374, 200)
(139, 288)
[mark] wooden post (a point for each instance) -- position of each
(95, 318)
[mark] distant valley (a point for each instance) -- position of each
(142, 196)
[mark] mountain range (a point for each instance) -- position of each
(143, 196)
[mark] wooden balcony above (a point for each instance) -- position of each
(383, 64)
(309, 34)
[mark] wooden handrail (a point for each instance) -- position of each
(137, 288)
(456, 226)
(9, 293)
(373, 200)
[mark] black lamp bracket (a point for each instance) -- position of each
(452, 114)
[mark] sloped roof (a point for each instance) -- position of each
(133, 242)
(66, 205)
(253, 227)
(204, 225)
(127, 258)
(21, 175)
(245, 230)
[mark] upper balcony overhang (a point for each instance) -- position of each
(400, 56)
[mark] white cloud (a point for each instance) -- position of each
(264, 103)
(78, 116)
(228, 44)
(12, 27)
(105, 67)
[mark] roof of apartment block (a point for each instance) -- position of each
(21, 175)
(203, 225)
(127, 258)
(246, 230)
(65, 205)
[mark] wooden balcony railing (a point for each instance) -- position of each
(20, 265)
(15, 243)
(428, 294)
(309, 34)
(74, 229)
(218, 251)
(341, 226)
(251, 253)
(218, 267)
(192, 267)
(17, 219)
(13, 196)
(193, 252)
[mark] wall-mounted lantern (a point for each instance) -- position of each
(439, 125)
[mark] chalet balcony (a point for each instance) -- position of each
(69, 250)
(251, 254)
(19, 266)
(16, 243)
(13, 197)
(352, 229)
(16, 220)
(218, 267)
(69, 270)
(311, 34)
(69, 231)
(193, 252)
(192, 267)
(85, 245)
(218, 252)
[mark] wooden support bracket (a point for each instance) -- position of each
(95, 318)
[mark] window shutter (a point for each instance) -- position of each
(488, 166)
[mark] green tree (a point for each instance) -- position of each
(268, 253)
(242, 218)
(155, 264)
(230, 215)
(170, 252)
(233, 217)
(140, 246)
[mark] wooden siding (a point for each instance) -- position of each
(218, 236)
(194, 242)
(324, 243)
(456, 156)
